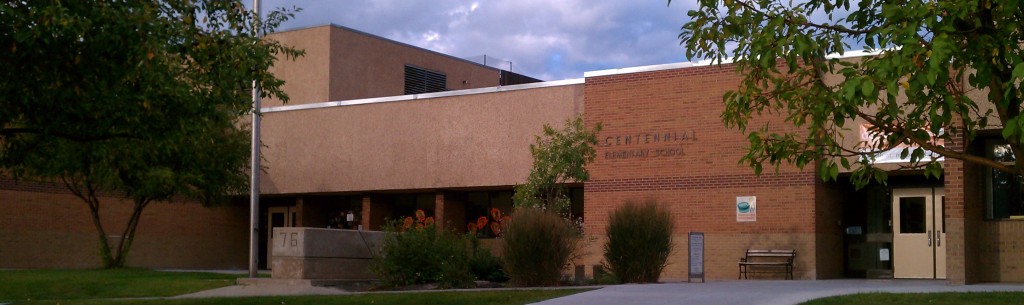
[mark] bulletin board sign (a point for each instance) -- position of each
(746, 209)
(696, 250)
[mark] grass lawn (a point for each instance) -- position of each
(68, 287)
(93, 284)
(410, 298)
(946, 298)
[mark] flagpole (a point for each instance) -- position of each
(254, 183)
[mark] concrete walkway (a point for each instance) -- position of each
(263, 290)
(759, 292)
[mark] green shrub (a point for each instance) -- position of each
(639, 242)
(422, 254)
(484, 265)
(538, 244)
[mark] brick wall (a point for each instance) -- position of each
(663, 140)
(43, 226)
(828, 229)
(1001, 244)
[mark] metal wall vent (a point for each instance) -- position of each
(419, 80)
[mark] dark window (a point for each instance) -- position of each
(1003, 190)
(419, 80)
(912, 211)
(480, 203)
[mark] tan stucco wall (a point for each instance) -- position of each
(306, 78)
(342, 64)
(446, 142)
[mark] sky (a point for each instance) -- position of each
(545, 39)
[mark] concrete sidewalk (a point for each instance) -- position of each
(759, 292)
(264, 290)
(772, 292)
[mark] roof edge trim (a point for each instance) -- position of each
(707, 62)
(678, 65)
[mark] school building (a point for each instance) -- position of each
(381, 129)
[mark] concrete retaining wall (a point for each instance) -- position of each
(315, 253)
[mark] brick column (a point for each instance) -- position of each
(364, 217)
(298, 212)
(439, 209)
(961, 218)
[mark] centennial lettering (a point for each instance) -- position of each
(648, 138)
(678, 137)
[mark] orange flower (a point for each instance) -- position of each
(505, 220)
(481, 222)
(429, 221)
(496, 228)
(420, 215)
(495, 214)
(407, 223)
(471, 228)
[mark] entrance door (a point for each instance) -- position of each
(918, 233)
(277, 217)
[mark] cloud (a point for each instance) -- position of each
(550, 40)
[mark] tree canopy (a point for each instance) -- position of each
(559, 157)
(940, 71)
(135, 99)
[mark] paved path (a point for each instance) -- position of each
(263, 290)
(758, 292)
(752, 292)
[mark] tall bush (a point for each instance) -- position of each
(422, 254)
(538, 244)
(639, 242)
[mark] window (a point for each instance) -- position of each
(1004, 198)
(480, 203)
(419, 80)
(912, 215)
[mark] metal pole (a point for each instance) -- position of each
(254, 183)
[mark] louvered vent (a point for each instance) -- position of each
(419, 80)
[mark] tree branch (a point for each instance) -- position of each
(941, 150)
(7, 132)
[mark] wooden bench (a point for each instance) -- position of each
(772, 261)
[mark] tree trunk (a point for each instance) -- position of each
(104, 244)
(111, 258)
(85, 190)
(128, 235)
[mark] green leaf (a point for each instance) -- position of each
(867, 88)
(1011, 128)
(881, 176)
(1018, 71)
